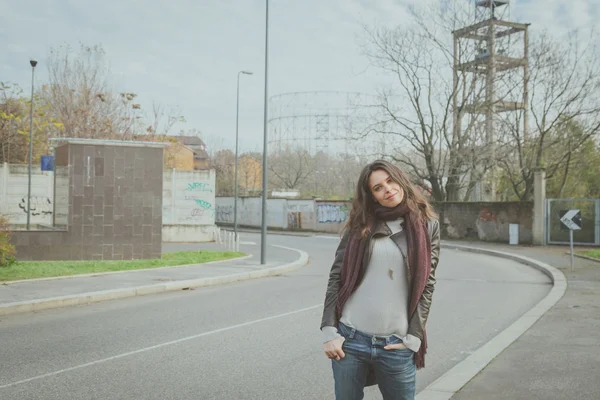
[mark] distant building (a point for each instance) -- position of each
(179, 157)
(201, 158)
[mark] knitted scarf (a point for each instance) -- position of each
(419, 260)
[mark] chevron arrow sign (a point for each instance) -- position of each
(572, 220)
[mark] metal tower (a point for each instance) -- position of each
(489, 54)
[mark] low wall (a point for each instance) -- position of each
(188, 206)
(188, 233)
(13, 195)
(250, 212)
(486, 221)
(331, 215)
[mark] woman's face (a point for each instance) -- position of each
(385, 191)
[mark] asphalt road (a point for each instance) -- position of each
(257, 339)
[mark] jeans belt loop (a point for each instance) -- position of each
(352, 333)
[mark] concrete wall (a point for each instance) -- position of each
(331, 215)
(486, 221)
(13, 194)
(189, 206)
(301, 214)
(285, 214)
(250, 212)
(477, 221)
(114, 203)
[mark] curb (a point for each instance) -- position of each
(585, 257)
(452, 381)
(104, 295)
(92, 274)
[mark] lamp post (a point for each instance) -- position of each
(263, 231)
(237, 120)
(33, 63)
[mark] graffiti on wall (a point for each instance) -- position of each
(198, 187)
(39, 205)
(331, 213)
(192, 202)
(224, 214)
(203, 209)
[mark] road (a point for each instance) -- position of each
(257, 339)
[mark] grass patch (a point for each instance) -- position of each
(592, 253)
(47, 269)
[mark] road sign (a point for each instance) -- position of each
(571, 219)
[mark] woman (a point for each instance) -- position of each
(380, 287)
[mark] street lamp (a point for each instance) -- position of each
(263, 230)
(237, 119)
(33, 63)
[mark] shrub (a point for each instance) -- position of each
(7, 250)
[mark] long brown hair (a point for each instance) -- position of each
(361, 215)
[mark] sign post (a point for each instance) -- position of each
(572, 220)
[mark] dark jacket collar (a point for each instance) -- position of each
(381, 228)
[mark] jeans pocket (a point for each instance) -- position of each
(343, 330)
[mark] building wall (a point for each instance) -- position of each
(179, 157)
(115, 207)
(201, 163)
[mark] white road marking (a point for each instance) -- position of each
(327, 237)
(158, 346)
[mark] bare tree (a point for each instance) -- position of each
(290, 168)
(416, 116)
(163, 119)
(565, 106)
(79, 96)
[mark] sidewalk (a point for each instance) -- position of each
(34, 295)
(559, 356)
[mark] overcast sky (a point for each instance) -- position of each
(187, 53)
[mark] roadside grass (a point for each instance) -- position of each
(592, 254)
(47, 269)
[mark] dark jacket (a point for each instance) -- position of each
(417, 322)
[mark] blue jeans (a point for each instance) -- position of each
(395, 370)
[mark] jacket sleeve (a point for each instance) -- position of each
(333, 286)
(418, 321)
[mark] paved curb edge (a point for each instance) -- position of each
(104, 295)
(91, 274)
(452, 381)
(585, 257)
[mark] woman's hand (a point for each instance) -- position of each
(333, 348)
(396, 346)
